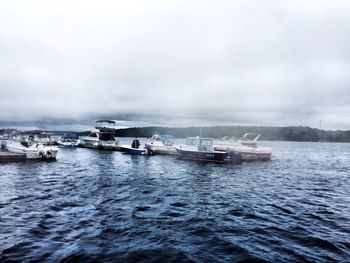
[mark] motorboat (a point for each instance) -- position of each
(46, 138)
(68, 140)
(249, 139)
(134, 151)
(202, 149)
(245, 146)
(161, 144)
(32, 150)
(102, 137)
(252, 153)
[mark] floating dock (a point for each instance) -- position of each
(11, 157)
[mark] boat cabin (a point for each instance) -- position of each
(102, 134)
(203, 144)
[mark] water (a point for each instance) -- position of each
(106, 206)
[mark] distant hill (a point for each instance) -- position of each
(292, 133)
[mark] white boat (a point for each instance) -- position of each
(32, 150)
(161, 144)
(202, 149)
(68, 140)
(102, 137)
(45, 138)
(247, 148)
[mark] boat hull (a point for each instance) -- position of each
(133, 151)
(33, 153)
(161, 150)
(248, 153)
(202, 156)
(102, 145)
(67, 144)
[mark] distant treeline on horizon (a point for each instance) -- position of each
(292, 133)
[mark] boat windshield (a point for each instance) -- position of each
(191, 141)
(107, 136)
(206, 142)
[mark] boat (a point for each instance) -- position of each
(250, 153)
(32, 150)
(68, 140)
(46, 139)
(161, 144)
(246, 147)
(133, 151)
(102, 137)
(202, 149)
(135, 148)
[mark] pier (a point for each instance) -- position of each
(11, 157)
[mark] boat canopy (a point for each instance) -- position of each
(230, 138)
(107, 121)
(163, 137)
(106, 124)
(251, 136)
(70, 135)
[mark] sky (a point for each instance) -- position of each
(175, 63)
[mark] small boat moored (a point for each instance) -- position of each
(247, 148)
(68, 140)
(103, 137)
(32, 150)
(135, 149)
(202, 149)
(161, 144)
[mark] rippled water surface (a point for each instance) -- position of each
(106, 206)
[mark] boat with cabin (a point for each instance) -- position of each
(202, 149)
(102, 137)
(46, 138)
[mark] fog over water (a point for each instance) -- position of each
(175, 63)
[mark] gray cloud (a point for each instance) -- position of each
(176, 63)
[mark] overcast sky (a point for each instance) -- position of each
(256, 62)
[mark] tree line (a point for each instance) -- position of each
(292, 133)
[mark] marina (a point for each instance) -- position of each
(174, 131)
(104, 137)
(96, 205)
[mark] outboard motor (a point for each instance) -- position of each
(233, 156)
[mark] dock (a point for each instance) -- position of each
(11, 157)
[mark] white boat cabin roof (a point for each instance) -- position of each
(105, 124)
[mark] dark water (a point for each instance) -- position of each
(106, 206)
